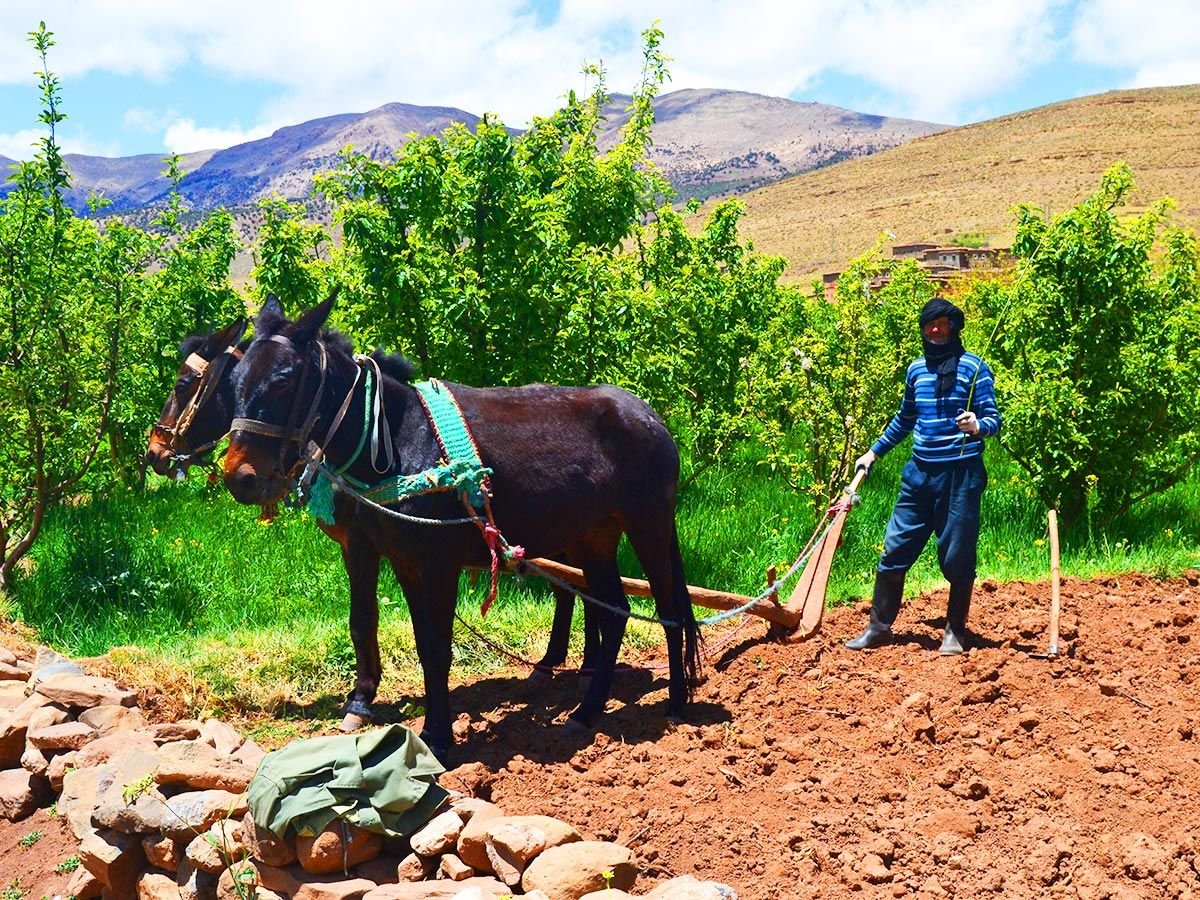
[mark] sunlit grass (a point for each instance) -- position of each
(248, 616)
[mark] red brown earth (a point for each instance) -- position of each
(813, 771)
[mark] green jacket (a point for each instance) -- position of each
(384, 780)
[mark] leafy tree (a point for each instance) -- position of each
(1098, 367)
(706, 301)
(474, 248)
(57, 374)
(292, 255)
(829, 375)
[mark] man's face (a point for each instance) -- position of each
(937, 331)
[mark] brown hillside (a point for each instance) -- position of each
(967, 179)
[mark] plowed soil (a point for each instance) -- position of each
(813, 771)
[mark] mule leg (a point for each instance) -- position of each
(658, 551)
(560, 633)
(362, 566)
(431, 607)
(604, 583)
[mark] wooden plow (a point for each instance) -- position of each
(797, 619)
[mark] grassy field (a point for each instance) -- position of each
(964, 181)
(186, 584)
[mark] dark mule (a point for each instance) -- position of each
(572, 469)
(200, 406)
(198, 413)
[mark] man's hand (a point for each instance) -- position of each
(967, 422)
(865, 461)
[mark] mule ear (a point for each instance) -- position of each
(231, 334)
(270, 317)
(311, 320)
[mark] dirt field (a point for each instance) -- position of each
(812, 771)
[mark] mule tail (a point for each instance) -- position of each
(693, 642)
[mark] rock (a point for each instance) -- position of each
(469, 808)
(47, 715)
(115, 859)
(606, 894)
(196, 884)
(13, 729)
(84, 885)
(85, 691)
(472, 843)
(250, 754)
(103, 748)
(20, 793)
(10, 672)
(452, 868)
(871, 868)
(223, 738)
(685, 887)
(113, 717)
(67, 736)
(12, 695)
(339, 845)
(574, 869)
(168, 732)
(84, 789)
(48, 664)
(265, 846)
(194, 811)
(35, 761)
(155, 886)
(441, 890)
(162, 852)
(56, 771)
(199, 766)
(205, 853)
(988, 692)
(437, 835)
(415, 868)
(140, 815)
(350, 889)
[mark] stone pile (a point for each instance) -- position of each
(160, 812)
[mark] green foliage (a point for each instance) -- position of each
(829, 375)
(292, 256)
(1098, 366)
(69, 865)
(476, 252)
(30, 839)
(90, 316)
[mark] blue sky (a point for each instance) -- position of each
(153, 76)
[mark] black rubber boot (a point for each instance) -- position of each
(956, 639)
(885, 605)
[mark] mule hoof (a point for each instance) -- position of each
(540, 674)
(353, 722)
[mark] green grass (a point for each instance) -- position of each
(251, 610)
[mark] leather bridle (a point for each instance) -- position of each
(209, 375)
(294, 431)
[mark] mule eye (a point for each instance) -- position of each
(184, 381)
(279, 382)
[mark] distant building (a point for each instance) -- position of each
(940, 263)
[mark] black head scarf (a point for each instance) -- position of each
(943, 358)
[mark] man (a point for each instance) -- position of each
(949, 406)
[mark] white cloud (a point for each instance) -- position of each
(20, 144)
(1159, 46)
(185, 136)
(929, 59)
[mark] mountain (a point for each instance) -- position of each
(720, 142)
(960, 184)
(706, 141)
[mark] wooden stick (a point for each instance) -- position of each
(1055, 604)
(637, 587)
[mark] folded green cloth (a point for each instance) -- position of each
(383, 780)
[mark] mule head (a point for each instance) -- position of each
(278, 387)
(199, 408)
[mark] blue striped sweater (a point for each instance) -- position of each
(935, 436)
